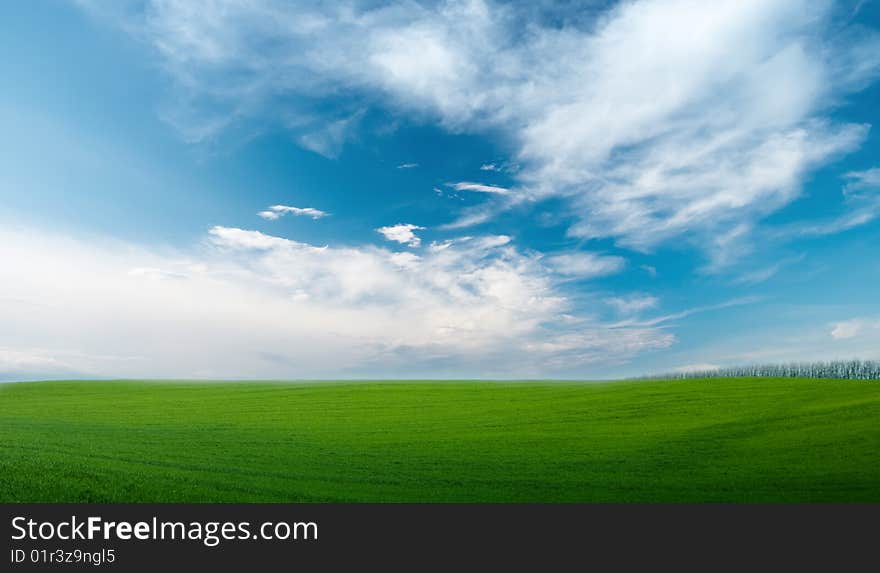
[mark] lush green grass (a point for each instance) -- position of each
(694, 440)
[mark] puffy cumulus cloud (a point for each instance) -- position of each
(654, 118)
(277, 211)
(401, 233)
(242, 303)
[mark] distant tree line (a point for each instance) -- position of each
(845, 369)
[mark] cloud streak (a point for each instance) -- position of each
(586, 265)
(479, 188)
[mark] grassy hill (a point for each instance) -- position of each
(740, 439)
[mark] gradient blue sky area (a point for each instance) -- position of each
(566, 190)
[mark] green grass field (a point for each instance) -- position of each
(695, 440)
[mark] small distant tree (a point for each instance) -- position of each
(840, 369)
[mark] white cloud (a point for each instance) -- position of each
(254, 305)
(489, 167)
(862, 183)
(759, 275)
(243, 239)
(847, 329)
(407, 165)
(402, 233)
(471, 217)
(656, 119)
(277, 211)
(862, 206)
(328, 139)
(479, 188)
(667, 318)
(406, 260)
(762, 274)
(600, 346)
(586, 265)
(634, 304)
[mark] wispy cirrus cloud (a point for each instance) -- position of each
(653, 119)
(479, 188)
(277, 211)
(862, 183)
(328, 138)
(633, 304)
(586, 265)
(861, 206)
(761, 274)
(668, 318)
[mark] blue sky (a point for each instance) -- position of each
(460, 189)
